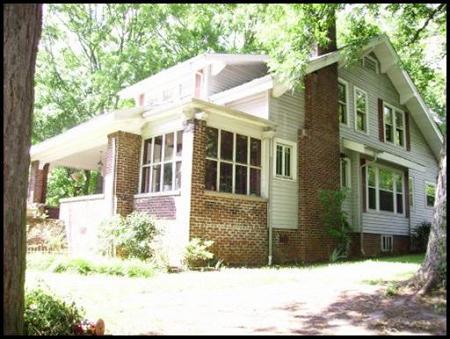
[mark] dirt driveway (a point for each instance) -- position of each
(335, 299)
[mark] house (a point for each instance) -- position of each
(220, 150)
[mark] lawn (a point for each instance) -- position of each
(346, 298)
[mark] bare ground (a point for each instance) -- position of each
(335, 299)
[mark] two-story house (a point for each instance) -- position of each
(220, 150)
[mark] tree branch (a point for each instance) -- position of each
(440, 8)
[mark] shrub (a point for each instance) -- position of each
(46, 234)
(128, 237)
(335, 220)
(46, 314)
(197, 253)
(420, 236)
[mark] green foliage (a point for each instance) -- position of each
(197, 252)
(48, 234)
(46, 314)
(335, 220)
(391, 289)
(419, 236)
(85, 266)
(128, 237)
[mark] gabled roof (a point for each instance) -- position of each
(409, 95)
(216, 59)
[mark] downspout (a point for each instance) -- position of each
(361, 213)
(269, 203)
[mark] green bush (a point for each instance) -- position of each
(335, 220)
(420, 236)
(197, 253)
(128, 237)
(46, 314)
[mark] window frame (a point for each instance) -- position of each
(175, 159)
(394, 125)
(348, 172)
(347, 103)
(387, 236)
(235, 163)
(426, 200)
(377, 71)
(356, 89)
(293, 160)
(411, 188)
(377, 190)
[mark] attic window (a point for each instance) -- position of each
(370, 63)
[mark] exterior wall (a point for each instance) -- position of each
(288, 112)
(234, 75)
(379, 86)
(372, 245)
(37, 186)
(257, 105)
(161, 207)
(237, 225)
(81, 217)
(319, 159)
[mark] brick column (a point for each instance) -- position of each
(319, 154)
(122, 171)
(37, 187)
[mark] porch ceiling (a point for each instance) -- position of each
(80, 147)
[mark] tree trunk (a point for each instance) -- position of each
(432, 270)
(21, 33)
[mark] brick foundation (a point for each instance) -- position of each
(238, 226)
(372, 245)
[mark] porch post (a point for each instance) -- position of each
(37, 186)
(121, 178)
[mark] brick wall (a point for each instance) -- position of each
(128, 147)
(372, 245)
(37, 187)
(160, 207)
(238, 226)
(319, 154)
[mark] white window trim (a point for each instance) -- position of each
(293, 164)
(377, 191)
(218, 161)
(348, 174)
(411, 189)
(347, 103)
(394, 125)
(162, 162)
(355, 89)
(431, 184)
(375, 61)
(392, 243)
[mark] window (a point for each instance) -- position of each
(342, 102)
(284, 160)
(394, 125)
(233, 162)
(370, 63)
(411, 191)
(345, 173)
(387, 243)
(161, 163)
(430, 191)
(385, 189)
(361, 110)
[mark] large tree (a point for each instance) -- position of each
(21, 33)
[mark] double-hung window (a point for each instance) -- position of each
(161, 163)
(233, 162)
(430, 191)
(285, 159)
(361, 110)
(394, 125)
(342, 102)
(385, 189)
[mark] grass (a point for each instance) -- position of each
(86, 266)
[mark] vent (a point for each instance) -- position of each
(387, 243)
(370, 63)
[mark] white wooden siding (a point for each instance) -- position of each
(379, 86)
(234, 75)
(288, 111)
(257, 105)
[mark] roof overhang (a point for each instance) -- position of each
(86, 137)
(409, 95)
